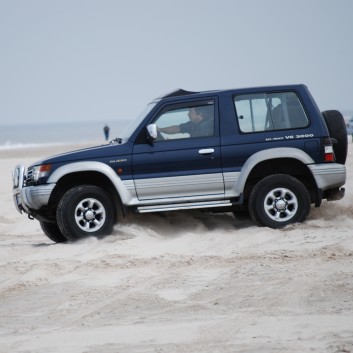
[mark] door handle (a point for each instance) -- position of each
(206, 151)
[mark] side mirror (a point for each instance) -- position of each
(152, 132)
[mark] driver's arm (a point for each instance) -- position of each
(170, 129)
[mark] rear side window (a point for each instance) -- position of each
(269, 112)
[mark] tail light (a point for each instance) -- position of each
(329, 154)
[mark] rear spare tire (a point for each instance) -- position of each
(337, 129)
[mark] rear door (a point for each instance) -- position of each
(184, 163)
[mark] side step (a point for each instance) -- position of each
(183, 206)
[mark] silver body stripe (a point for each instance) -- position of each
(180, 186)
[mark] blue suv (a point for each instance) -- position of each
(267, 150)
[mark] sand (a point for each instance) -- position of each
(177, 282)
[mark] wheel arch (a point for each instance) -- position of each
(96, 178)
(93, 173)
(276, 161)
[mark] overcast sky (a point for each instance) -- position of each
(76, 60)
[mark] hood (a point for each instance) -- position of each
(91, 153)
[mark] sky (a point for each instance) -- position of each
(104, 60)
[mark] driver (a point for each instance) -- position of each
(200, 123)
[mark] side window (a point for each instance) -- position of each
(186, 121)
(252, 112)
(269, 112)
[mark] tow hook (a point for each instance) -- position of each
(30, 217)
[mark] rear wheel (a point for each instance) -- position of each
(337, 129)
(278, 200)
(52, 231)
(85, 210)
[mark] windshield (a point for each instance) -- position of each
(130, 129)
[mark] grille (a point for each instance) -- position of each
(28, 176)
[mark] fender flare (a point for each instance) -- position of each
(127, 197)
(264, 155)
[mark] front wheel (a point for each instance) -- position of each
(85, 210)
(278, 200)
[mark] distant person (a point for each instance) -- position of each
(106, 132)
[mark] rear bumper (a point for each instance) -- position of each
(329, 176)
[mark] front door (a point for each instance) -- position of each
(184, 163)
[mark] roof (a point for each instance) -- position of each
(181, 92)
(178, 92)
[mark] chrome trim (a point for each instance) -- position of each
(184, 206)
(178, 200)
(18, 176)
(206, 151)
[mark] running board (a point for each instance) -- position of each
(183, 206)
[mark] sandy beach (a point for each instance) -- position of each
(177, 282)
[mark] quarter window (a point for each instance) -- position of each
(269, 112)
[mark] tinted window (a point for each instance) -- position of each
(269, 112)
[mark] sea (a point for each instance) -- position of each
(37, 134)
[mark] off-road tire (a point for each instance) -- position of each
(278, 200)
(85, 210)
(337, 129)
(52, 231)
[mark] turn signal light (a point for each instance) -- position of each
(329, 155)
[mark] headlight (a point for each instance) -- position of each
(40, 171)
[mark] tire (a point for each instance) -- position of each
(85, 210)
(337, 129)
(52, 231)
(278, 200)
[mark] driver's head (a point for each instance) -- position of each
(195, 115)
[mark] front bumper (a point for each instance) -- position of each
(28, 198)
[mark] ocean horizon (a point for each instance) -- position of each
(38, 134)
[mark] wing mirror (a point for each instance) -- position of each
(152, 132)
